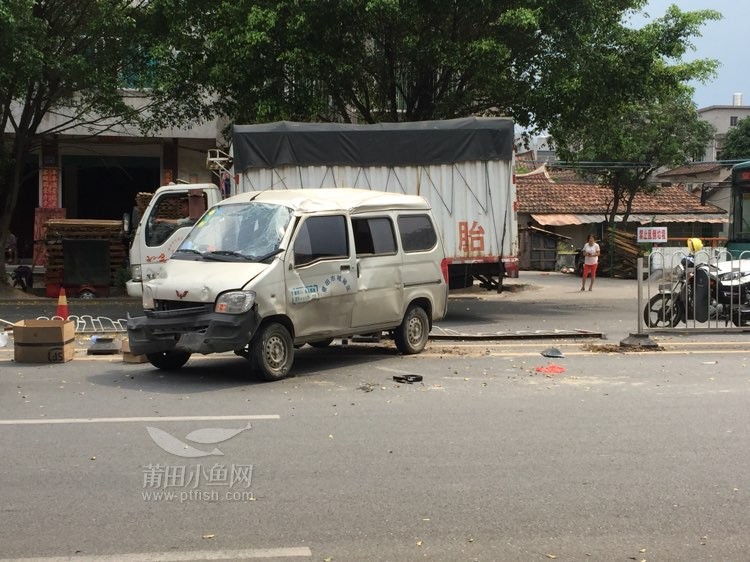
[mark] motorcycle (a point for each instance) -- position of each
(719, 291)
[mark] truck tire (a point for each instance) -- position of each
(168, 360)
(411, 336)
(272, 352)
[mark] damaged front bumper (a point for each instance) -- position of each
(196, 329)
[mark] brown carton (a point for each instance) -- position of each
(129, 357)
(43, 341)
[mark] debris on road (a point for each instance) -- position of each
(553, 352)
(407, 379)
(551, 369)
(611, 348)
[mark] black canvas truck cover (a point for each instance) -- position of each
(423, 143)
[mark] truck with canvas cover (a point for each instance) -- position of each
(463, 167)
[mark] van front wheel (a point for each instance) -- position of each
(168, 360)
(272, 352)
(411, 335)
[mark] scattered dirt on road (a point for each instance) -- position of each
(611, 348)
(10, 293)
(454, 351)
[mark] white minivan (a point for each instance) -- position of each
(264, 272)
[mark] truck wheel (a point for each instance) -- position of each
(322, 343)
(411, 335)
(168, 360)
(272, 352)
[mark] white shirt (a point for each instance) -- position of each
(590, 252)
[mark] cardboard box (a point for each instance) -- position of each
(129, 357)
(44, 341)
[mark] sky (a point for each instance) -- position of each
(724, 40)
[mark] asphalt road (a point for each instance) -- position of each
(606, 456)
(625, 455)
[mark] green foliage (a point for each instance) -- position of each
(575, 68)
(642, 130)
(737, 143)
(385, 60)
(64, 58)
(632, 141)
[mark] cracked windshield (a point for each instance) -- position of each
(244, 231)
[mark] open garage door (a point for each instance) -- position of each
(104, 187)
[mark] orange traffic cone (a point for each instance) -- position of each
(62, 305)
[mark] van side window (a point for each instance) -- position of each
(373, 236)
(321, 238)
(417, 233)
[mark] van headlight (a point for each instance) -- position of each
(135, 272)
(235, 302)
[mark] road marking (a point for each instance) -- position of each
(625, 351)
(288, 552)
(399, 371)
(144, 419)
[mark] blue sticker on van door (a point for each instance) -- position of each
(304, 294)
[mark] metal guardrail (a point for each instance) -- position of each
(87, 324)
(708, 292)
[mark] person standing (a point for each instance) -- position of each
(590, 261)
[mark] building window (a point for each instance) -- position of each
(733, 121)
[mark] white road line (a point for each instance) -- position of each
(288, 552)
(399, 371)
(145, 419)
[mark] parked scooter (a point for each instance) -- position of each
(708, 291)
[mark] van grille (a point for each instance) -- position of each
(164, 305)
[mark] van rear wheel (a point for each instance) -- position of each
(411, 336)
(272, 352)
(168, 360)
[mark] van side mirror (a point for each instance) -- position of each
(126, 223)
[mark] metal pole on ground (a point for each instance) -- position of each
(639, 339)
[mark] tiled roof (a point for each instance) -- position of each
(693, 169)
(538, 193)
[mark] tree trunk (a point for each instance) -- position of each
(11, 167)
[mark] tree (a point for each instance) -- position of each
(387, 60)
(624, 147)
(545, 63)
(622, 140)
(737, 143)
(61, 68)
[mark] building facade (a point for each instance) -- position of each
(723, 118)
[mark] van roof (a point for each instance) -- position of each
(334, 199)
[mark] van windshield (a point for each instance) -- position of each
(237, 232)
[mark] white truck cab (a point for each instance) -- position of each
(264, 272)
(170, 215)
